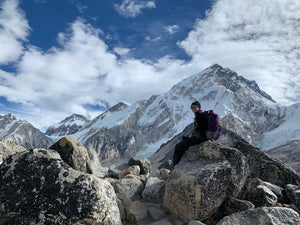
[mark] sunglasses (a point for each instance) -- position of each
(193, 106)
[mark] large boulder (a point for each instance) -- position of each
(131, 188)
(207, 175)
(38, 187)
(74, 154)
(267, 168)
(263, 216)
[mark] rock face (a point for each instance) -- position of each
(43, 189)
(263, 216)
(267, 168)
(7, 148)
(206, 176)
(73, 153)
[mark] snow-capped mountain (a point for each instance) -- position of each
(142, 127)
(68, 126)
(22, 133)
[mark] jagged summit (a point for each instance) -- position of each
(75, 118)
(221, 76)
(68, 126)
(231, 80)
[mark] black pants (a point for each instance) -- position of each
(182, 146)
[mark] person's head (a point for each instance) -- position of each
(195, 106)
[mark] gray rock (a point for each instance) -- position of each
(144, 164)
(274, 188)
(163, 174)
(167, 165)
(154, 190)
(207, 175)
(262, 196)
(38, 187)
(156, 214)
(292, 206)
(162, 222)
(293, 194)
(132, 188)
(74, 154)
(267, 168)
(136, 211)
(263, 216)
(233, 205)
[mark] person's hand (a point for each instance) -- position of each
(212, 140)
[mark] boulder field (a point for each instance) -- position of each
(212, 184)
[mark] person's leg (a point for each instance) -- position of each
(182, 146)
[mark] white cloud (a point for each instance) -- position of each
(259, 39)
(59, 82)
(152, 39)
(121, 51)
(133, 8)
(14, 29)
(172, 29)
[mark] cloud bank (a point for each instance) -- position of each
(133, 8)
(258, 39)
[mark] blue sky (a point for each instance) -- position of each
(59, 57)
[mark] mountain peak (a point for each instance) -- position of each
(70, 125)
(74, 117)
(229, 79)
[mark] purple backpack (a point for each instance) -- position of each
(214, 127)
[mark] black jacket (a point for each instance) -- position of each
(201, 124)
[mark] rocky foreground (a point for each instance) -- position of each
(213, 184)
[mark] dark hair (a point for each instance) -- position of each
(197, 104)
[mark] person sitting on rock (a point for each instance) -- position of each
(196, 137)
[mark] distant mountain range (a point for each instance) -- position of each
(125, 130)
